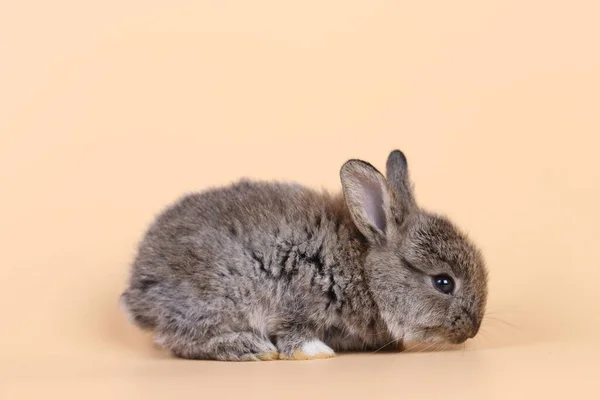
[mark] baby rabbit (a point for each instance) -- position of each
(263, 271)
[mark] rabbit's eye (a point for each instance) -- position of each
(443, 283)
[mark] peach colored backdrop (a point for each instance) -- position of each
(109, 110)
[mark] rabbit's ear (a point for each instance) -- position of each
(368, 198)
(399, 179)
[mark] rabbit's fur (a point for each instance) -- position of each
(260, 270)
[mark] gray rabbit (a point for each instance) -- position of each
(263, 270)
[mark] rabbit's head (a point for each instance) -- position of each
(428, 279)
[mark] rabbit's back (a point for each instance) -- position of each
(244, 208)
(249, 216)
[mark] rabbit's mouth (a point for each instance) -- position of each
(428, 334)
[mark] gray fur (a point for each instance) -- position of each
(254, 268)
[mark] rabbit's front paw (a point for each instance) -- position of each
(309, 350)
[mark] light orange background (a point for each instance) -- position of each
(109, 110)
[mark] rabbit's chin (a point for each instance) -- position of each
(424, 337)
(418, 334)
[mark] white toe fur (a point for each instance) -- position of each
(314, 347)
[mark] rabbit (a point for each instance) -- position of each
(261, 270)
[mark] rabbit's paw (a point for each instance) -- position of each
(310, 350)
